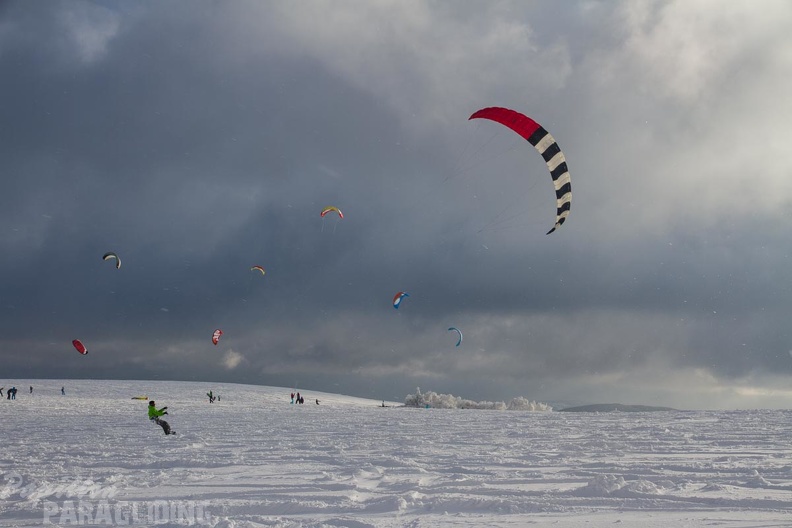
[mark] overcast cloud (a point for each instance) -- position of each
(197, 139)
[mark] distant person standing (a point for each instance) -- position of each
(1, 391)
(292, 397)
(63, 391)
(31, 389)
(13, 392)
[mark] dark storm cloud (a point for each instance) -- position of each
(199, 139)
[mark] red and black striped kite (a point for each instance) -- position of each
(547, 147)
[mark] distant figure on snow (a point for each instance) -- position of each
(63, 391)
(31, 389)
(1, 391)
(154, 414)
(12, 392)
(292, 397)
(211, 397)
(317, 402)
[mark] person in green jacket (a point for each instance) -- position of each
(154, 414)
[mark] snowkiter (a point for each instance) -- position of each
(154, 414)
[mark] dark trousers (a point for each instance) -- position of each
(162, 423)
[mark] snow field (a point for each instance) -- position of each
(254, 460)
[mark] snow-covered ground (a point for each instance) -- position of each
(252, 459)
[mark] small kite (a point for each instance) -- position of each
(257, 268)
(455, 329)
(110, 255)
(331, 209)
(397, 299)
(80, 347)
(216, 336)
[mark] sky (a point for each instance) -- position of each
(197, 139)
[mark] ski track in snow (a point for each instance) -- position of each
(254, 460)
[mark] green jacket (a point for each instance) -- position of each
(155, 413)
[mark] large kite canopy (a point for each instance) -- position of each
(216, 336)
(547, 147)
(258, 268)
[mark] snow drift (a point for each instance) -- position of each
(447, 401)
